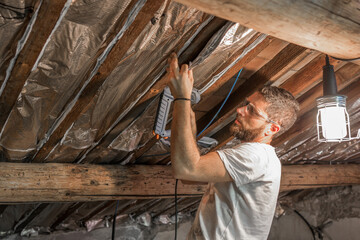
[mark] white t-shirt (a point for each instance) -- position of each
(244, 208)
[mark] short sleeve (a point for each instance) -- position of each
(244, 163)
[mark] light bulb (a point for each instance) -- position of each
(333, 120)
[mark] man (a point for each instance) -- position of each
(243, 181)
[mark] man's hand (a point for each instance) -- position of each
(181, 81)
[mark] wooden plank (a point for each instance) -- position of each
(296, 177)
(254, 83)
(328, 26)
(11, 44)
(308, 76)
(97, 210)
(2, 209)
(28, 217)
(239, 65)
(115, 56)
(48, 15)
(91, 182)
(64, 215)
(54, 182)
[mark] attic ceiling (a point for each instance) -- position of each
(80, 83)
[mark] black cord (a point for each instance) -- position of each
(176, 209)
(307, 223)
(346, 60)
(114, 221)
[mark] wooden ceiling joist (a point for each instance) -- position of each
(48, 15)
(53, 182)
(115, 56)
(330, 27)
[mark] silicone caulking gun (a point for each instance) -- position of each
(164, 109)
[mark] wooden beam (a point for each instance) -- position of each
(329, 26)
(296, 177)
(48, 15)
(115, 56)
(54, 182)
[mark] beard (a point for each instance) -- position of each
(246, 135)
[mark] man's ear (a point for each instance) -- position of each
(272, 129)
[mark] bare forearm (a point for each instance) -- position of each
(193, 123)
(184, 152)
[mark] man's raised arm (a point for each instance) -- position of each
(185, 157)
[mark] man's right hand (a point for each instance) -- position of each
(181, 81)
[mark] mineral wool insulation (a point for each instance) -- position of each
(71, 51)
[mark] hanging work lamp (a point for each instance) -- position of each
(333, 124)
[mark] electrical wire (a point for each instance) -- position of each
(176, 208)
(307, 223)
(222, 105)
(346, 60)
(114, 221)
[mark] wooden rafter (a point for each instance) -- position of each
(5, 62)
(65, 214)
(48, 15)
(28, 217)
(53, 182)
(328, 26)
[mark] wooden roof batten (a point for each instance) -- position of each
(48, 15)
(331, 27)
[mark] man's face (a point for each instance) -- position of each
(250, 121)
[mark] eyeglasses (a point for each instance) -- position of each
(256, 112)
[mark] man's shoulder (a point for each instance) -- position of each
(254, 147)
